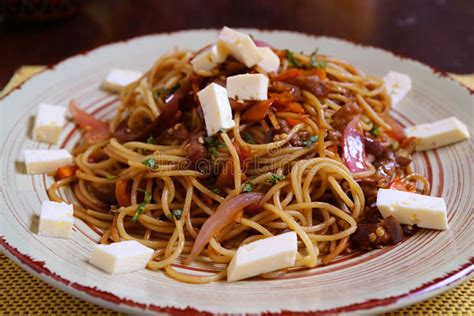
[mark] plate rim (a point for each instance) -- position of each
(460, 274)
(111, 301)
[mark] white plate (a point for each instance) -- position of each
(422, 266)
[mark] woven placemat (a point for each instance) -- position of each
(21, 293)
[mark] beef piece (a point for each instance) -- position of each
(374, 148)
(197, 152)
(311, 83)
(403, 161)
(344, 115)
(170, 115)
(280, 86)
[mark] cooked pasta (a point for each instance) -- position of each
(309, 159)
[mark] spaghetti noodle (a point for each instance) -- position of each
(309, 160)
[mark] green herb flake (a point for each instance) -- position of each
(216, 190)
(164, 92)
(170, 216)
(275, 178)
(213, 151)
(290, 56)
(141, 207)
(310, 141)
(395, 145)
(139, 211)
(315, 62)
(150, 140)
(150, 163)
(178, 213)
(222, 130)
(212, 145)
(247, 187)
(211, 141)
(111, 177)
(147, 198)
(175, 88)
(209, 182)
(375, 131)
(248, 138)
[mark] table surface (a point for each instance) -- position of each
(437, 32)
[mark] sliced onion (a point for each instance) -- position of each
(223, 215)
(94, 130)
(397, 131)
(259, 43)
(354, 148)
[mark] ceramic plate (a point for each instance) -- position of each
(422, 266)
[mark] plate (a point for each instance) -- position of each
(422, 266)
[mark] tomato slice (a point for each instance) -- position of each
(397, 130)
(122, 194)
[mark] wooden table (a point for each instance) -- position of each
(437, 32)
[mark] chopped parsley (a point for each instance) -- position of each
(164, 92)
(150, 140)
(395, 145)
(212, 145)
(315, 62)
(375, 131)
(275, 178)
(213, 151)
(247, 187)
(111, 177)
(290, 56)
(141, 207)
(147, 198)
(177, 213)
(175, 88)
(222, 130)
(138, 212)
(212, 141)
(209, 182)
(150, 163)
(310, 141)
(248, 138)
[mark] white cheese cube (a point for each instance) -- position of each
(209, 58)
(203, 62)
(262, 256)
(56, 219)
(270, 61)
(247, 87)
(46, 160)
(398, 85)
(121, 257)
(49, 122)
(411, 208)
(216, 108)
(117, 79)
(240, 46)
(438, 134)
(219, 53)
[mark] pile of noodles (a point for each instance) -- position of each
(303, 186)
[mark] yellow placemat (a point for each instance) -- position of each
(21, 293)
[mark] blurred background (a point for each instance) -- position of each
(439, 33)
